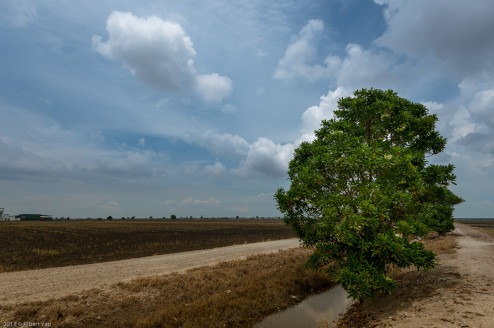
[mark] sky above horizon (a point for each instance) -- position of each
(194, 108)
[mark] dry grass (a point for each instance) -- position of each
(486, 225)
(45, 252)
(445, 244)
(231, 294)
(489, 231)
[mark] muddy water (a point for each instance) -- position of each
(317, 309)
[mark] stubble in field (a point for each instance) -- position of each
(29, 245)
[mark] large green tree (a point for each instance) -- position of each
(363, 189)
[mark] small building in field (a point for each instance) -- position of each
(7, 217)
(34, 217)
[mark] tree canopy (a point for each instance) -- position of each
(363, 190)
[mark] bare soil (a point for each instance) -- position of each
(29, 245)
(459, 293)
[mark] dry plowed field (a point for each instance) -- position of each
(29, 245)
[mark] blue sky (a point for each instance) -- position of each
(195, 107)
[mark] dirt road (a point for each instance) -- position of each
(37, 285)
(459, 293)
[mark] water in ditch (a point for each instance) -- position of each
(311, 312)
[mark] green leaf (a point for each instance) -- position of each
(364, 185)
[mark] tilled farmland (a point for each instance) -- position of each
(29, 245)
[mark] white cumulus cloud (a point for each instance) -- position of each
(475, 128)
(160, 53)
(482, 107)
(266, 158)
(213, 87)
(314, 115)
(365, 68)
(225, 145)
(296, 63)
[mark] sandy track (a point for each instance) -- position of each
(463, 290)
(37, 285)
